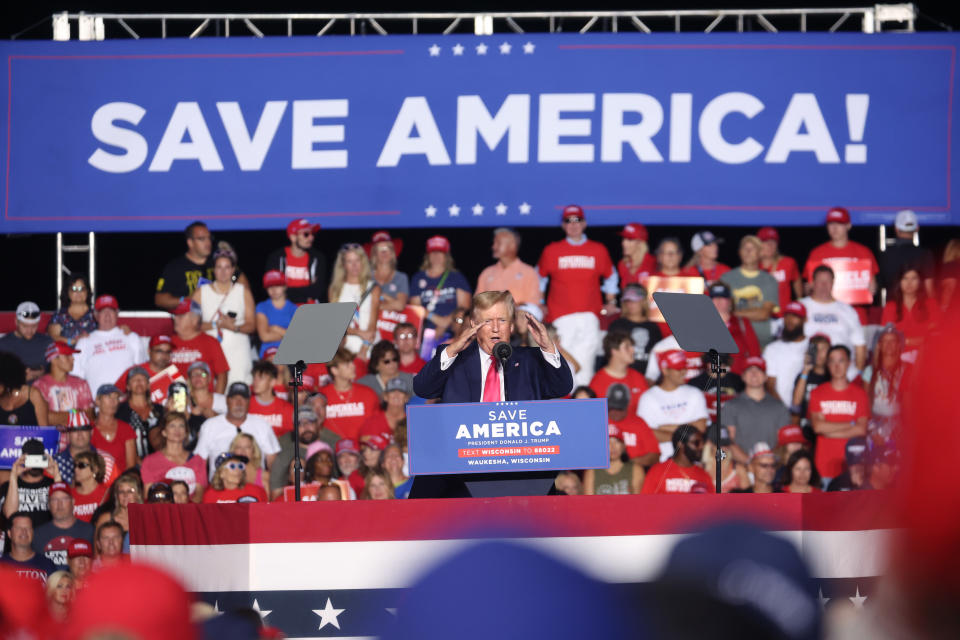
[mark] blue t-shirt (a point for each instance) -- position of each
(278, 317)
(446, 298)
(403, 490)
(398, 284)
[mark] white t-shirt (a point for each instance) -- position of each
(785, 362)
(105, 355)
(683, 405)
(217, 433)
(836, 320)
(694, 363)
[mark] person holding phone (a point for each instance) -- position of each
(785, 356)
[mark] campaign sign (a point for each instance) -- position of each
(485, 437)
(13, 437)
(852, 280)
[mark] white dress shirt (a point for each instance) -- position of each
(445, 361)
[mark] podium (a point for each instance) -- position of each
(496, 449)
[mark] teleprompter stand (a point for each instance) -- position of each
(697, 326)
(313, 336)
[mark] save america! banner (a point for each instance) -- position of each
(459, 130)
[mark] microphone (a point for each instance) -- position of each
(502, 351)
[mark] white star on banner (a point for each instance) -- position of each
(858, 600)
(525, 209)
(501, 209)
(481, 49)
(328, 615)
(434, 51)
(458, 49)
(454, 210)
(505, 48)
(431, 211)
(823, 601)
(216, 607)
(478, 209)
(529, 47)
(263, 612)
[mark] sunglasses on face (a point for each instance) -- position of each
(82, 465)
(236, 466)
(388, 360)
(78, 289)
(404, 336)
(29, 315)
(572, 220)
(305, 234)
(350, 246)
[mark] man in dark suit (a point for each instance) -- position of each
(466, 371)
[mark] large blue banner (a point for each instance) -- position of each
(484, 437)
(421, 131)
(13, 437)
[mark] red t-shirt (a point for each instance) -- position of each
(297, 270)
(710, 275)
(785, 271)
(912, 328)
(575, 272)
(278, 414)
(116, 447)
(836, 406)
(637, 436)
(85, 505)
(414, 367)
(668, 477)
(647, 266)
(827, 252)
(247, 493)
(203, 347)
(347, 411)
(634, 381)
(377, 425)
(746, 339)
(322, 375)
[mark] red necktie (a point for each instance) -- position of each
(491, 386)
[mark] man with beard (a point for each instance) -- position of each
(311, 430)
(680, 474)
(784, 357)
(304, 267)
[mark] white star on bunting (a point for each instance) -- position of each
(505, 49)
(328, 615)
(458, 49)
(525, 209)
(858, 600)
(478, 209)
(434, 51)
(431, 211)
(263, 612)
(501, 209)
(823, 601)
(454, 210)
(529, 47)
(481, 49)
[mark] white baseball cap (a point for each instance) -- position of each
(906, 221)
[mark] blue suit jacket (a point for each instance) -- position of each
(528, 377)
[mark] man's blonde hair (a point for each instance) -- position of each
(485, 300)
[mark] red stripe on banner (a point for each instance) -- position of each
(551, 516)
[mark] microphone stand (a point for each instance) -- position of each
(502, 352)
(719, 371)
(296, 383)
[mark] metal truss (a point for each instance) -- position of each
(98, 26)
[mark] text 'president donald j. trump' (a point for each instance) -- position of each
(465, 370)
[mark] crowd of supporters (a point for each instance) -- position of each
(202, 414)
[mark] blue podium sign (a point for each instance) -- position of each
(485, 437)
(13, 437)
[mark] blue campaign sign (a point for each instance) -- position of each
(485, 437)
(459, 130)
(12, 439)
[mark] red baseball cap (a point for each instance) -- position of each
(672, 359)
(438, 243)
(790, 433)
(59, 486)
(796, 309)
(634, 231)
(768, 233)
(309, 382)
(377, 442)
(572, 210)
(274, 278)
(614, 432)
(384, 236)
(838, 214)
(158, 340)
(301, 225)
(187, 306)
(347, 444)
(79, 547)
(104, 301)
(58, 349)
(756, 361)
(269, 352)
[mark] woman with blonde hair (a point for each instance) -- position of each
(378, 486)
(60, 594)
(229, 482)
(394, 285)
(228, 313)
(353, 282)
(245, 445)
